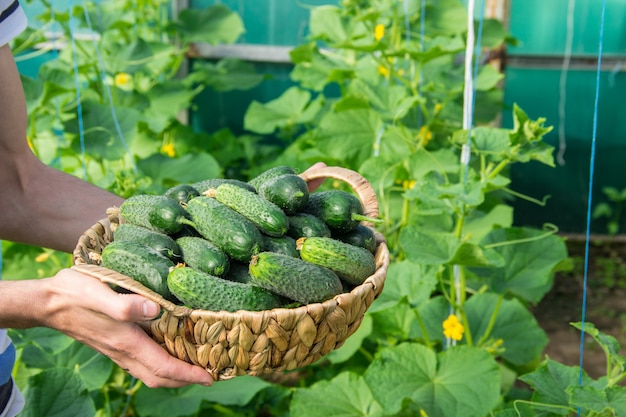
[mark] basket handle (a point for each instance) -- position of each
(359, 184)
(109, 276)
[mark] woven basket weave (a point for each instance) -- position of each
(229, 344)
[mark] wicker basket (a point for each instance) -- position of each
(228, 344)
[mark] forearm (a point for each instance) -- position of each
(25, 303)
(39, 205)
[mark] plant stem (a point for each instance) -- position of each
(492, 321)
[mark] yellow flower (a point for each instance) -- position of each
(122, 79)
(423, 413)
(438, 107)
(42, 257)
(408, 184)
(425, 135)
(384, 71)
(379, 31)
(169, 150)
(452, 328)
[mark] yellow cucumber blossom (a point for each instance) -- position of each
(122, 79)
(42, 257)
(425, 135)
(379, 31)
(452, 328)
(384, 71)
(169, 150)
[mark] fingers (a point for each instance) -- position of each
(157, 368)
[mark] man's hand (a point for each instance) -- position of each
(90, 312)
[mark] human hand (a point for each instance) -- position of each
(314, 184)
(92, 313)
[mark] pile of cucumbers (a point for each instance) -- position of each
(226, 244)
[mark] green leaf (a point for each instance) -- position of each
(345, 395)
(326, 24)
(397, 321)
(214, 25)
(442, 385)
(444, 248)
(101, 137)
(550, 382)
(478, 224)
(185, 169)
(531, 257)
(167, 99)
(290, 108)
(608, 400)
(129, 57)
(488, 78)
(522, 338)
(227, 75)
(167, 402)
(414, 281)
(349, 135)
(57, 392)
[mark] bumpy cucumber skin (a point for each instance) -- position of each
(362, 236)
(199, 290)
(224, 227)
(270, 173)
(212, 183)
(181, 193)
(353, 264)
(267, 216)
(294, 278)
(162, 243)
(155, 212)
(306, 225)
(336, 208)
(283, 244)
(203, 255)
(290, 192)
(139, 262)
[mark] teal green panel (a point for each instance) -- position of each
(28, 63)
(541, 27)
(537, 92)
(270, 22)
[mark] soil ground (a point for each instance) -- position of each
(605, 303)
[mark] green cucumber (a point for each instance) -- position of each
(199, 290)
(139, 262)
(340, 210)
(160, 242)
(290, 192)
(362, 236)
(203, 255)
(270, 173)
(212, 183)
(306, 225)
(294, 278)
(353, 264)
(228, 230)
(182, 193)
(267, 216)
(283, 244)
(155, 212)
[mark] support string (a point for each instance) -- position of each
(590, 198)
(79, 107)
(563, 81)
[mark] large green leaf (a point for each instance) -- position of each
(550, 382)
(522, 338)
(214, 25)
(346, 395)
(442, 385)
(608, 401)
(292, 107)
(444, 248)
(531, 259)
(227, 74)
(167, 99)
(414, 281)
(186, 169)
(326, 24)
(100, 130)
(349, 135)
(165, 402)
(57, 392)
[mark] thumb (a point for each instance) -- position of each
(134, 308)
